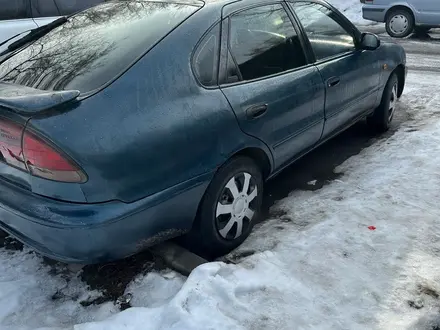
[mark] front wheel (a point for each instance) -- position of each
(229, 209)
(383, 115)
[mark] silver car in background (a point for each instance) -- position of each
(403, 17)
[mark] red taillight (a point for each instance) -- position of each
(30, 153)
(10, 144)
(44, 161)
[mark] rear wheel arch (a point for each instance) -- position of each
(257, 155)
(399, 7)
(260, 158)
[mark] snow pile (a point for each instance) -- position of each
(360, 253)
(353, 10)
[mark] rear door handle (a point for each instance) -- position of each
(333, 81)
(256, 111)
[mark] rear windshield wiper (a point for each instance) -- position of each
(13, 37)
(35, 34)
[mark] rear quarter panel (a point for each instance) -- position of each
(153, 128)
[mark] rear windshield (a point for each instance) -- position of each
(94, 46)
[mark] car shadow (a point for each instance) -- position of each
(317, 168)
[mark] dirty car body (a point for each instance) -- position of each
(110, 135)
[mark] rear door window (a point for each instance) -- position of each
(95, 46)
(13, 9)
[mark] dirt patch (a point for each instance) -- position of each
(109, 278)
(416, 304)
(9, 243)
(277, 213)
(236, 256)
(112, 278)
(423, 289)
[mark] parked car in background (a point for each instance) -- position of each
(18, 16)
(403, 17)
(136, 121)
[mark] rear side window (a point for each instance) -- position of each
(94, 46)
(13, 9)
(263, 42)
(205, 60)
(44, 8)
(69, 7)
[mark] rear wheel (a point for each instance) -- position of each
(383, 115)
(229, 209)
(399, 23)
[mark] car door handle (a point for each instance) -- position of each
(256, 111)
(333, 81)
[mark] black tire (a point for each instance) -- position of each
(205, 237)
(382, 117)
(421, 30)
(398, 14)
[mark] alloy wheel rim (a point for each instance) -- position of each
(399, 24)
(235, 207)
(393, 101)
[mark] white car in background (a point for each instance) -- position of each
(18, 16)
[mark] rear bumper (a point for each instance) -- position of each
(92, 233)
(374, 13)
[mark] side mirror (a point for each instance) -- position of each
(369, 41)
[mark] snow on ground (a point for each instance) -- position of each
(353, 10)
(316, 266)
(30, 297)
